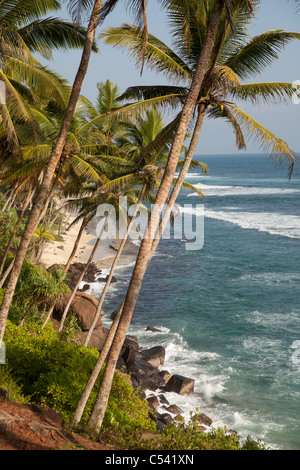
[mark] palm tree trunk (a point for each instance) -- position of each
(12, 201)
(181, 177)
(25, 205)
(6, 274)
(10, 197)
(97, 368)
(72, 296)
(75, 247)
(68, 264)
(162, 195)
(49, 172)
(113, 266)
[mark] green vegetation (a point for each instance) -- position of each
(42, 368)
(62, 155)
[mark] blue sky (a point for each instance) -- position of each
(217, 137)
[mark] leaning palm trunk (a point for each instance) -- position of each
(25, 205)
(113, 266)
(68, 264)
(161, 198)
(181, 177)
(72, 296)
(97, 368)
(49, 172)
(6, 274)
(9, 199)
(76, 244)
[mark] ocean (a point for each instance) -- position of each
(229, 313)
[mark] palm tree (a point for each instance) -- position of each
(56, 153)
(206, 85)
(149, 168)
(161, 197)
(22, 34)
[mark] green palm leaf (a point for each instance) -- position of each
(45, 35)
(157, 55)
(263, 92)
(260, 52)
(269, 142)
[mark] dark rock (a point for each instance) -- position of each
(75, 271)
(147, 382)
(166, 419)
(98, 337)
(152, 328)
(84, 288)
(141, 367)
(165, 375)
(180, 384)
(121, 366)
(4, 393)
(130, 350)
(114, 314)
(155, 355)
(174, 409)
(153, 402)
(202, 418)
(163, 399)
(160, 425)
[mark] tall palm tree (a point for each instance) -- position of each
(161, 197)
(230, 66)
(147, 252)
(148, 170)
(56, 153)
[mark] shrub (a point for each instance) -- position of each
(54, 373)
(14, 390)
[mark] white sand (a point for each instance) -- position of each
(58, 252)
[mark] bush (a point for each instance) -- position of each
(14, 390)
(35, 288)
(54, 373)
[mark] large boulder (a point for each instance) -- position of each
(180, 384)
(155, 356)
(141, 367)
(97, 339)
(203, 419)
(147, 382)
(84, 306)
(130, 350)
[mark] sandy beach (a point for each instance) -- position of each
(58, 252)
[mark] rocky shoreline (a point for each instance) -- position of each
(143, 366)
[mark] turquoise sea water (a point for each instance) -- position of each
(229, 313)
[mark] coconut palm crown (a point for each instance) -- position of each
(236, 57)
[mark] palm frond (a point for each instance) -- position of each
(157, 54)
(267, 140)
(221, 110)
(264, 92)
(43, 36)
(260, 52)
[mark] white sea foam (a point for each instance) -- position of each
(222, 190)
(273, 223)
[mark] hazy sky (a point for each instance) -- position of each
(217, 137)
